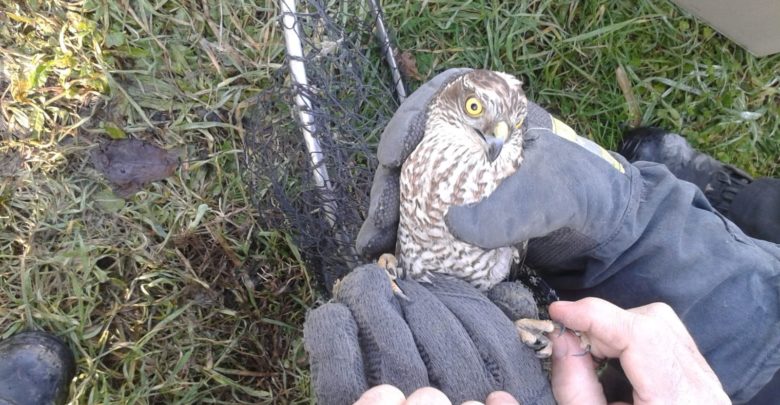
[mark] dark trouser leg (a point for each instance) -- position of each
(756, 209)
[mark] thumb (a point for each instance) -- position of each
(574, 379)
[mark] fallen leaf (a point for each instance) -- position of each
(131, 164)
(407, 64)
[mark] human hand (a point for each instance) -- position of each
(389, 395)
(657, 353)
(446, 334)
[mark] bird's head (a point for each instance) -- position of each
(486, 107)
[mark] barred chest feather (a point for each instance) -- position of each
(440, 173)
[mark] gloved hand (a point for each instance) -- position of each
(564, 186)
(400, 137)
(634, 234)
(598, 226)
(447, 335)
(568, 197)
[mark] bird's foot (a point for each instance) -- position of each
(532, 333)
(388, 262)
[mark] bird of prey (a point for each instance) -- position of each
(472, 140)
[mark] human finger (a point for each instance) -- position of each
(384, 394)
(691, 379)
(427, 396)
(501, 398)
(655, 350)
(674, 325)
(608, 327)
(664, 313)
(646, 350)
(574, 379)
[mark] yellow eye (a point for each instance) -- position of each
(473, 107)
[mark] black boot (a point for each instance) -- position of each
(35, 368)
(719, 182)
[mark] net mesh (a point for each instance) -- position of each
(320, 198)
(319, 194)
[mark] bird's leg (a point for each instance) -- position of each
(532, 332)
(388, 262)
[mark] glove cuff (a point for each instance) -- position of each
(570, 249)
(565, 245)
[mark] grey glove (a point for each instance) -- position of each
(400, 137)
(568, 197)
(562, 190)
(447, 335)
(633, 235)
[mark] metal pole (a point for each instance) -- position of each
(387, 50)
(294, 47)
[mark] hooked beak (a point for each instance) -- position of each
(496, 141)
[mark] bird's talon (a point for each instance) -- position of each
(397, 291)
(540, 344)
(560, 327)
(532, 332)
(390, 264)
(545, 352)
(587, 351)
(584, 341)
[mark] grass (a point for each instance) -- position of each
(178, 295)
(685, 76)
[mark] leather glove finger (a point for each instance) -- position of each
(488, 354)
(399, 138)
(379, 231)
